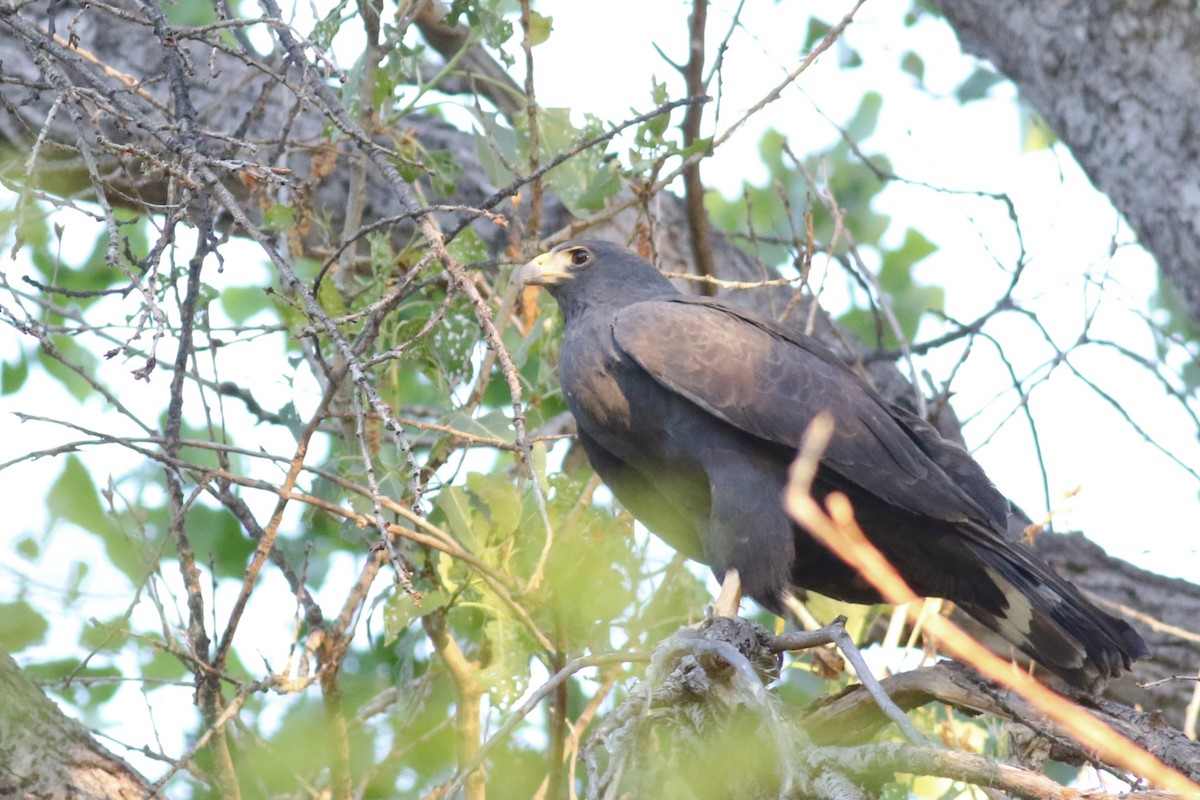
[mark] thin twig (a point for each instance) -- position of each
(835, 633)
(693, 186)
(532, 702)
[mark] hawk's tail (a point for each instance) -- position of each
(1053, 623)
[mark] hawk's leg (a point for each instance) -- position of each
(729, 601)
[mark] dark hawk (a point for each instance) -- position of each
(691, 410)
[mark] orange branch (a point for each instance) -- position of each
(838, 531)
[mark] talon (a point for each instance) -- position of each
(729, 601)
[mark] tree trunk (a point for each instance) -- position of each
(47, 754)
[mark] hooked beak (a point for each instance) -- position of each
(545, 270)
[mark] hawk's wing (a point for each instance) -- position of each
(772, 383)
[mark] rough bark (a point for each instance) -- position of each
(1119, 81)
(852, 716)
(46, 754)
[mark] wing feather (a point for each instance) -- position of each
(772, 383)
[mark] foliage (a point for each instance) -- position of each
(322, 458)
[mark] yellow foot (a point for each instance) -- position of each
(729, 601)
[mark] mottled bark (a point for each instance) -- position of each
(46, 754)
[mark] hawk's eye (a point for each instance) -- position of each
(580, 256)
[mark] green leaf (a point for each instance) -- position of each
(855, 186)
(468, 248)
(279, 218)
(12, 376)
(506, 676)
(537, 457)
(909, 299)
(49, 671)
(914, 65)
(70, 352)
(74, 587)
(442, 356)
(867, 326)
(494, 424)
(73, 497)
(28, 229)
(589, 571)
(20, 626)
(105, 637)
(216, 536)
(189, 14)
(976, 86)
(655, 127)
(915, 303)
(443, 171)
(328, 26)
(895, 274)
(495, 147)
(240, 303)
(495, 494)
(1037, 134)
(556, 131)
(817, 30)
(574, 179)
(92, 693)
(677, 597)
(383, 255)
(486, 19)
(28, 548)
(301, 742)
(605, 183)
(401, 611)
(540, 27)
(160, 668)
(701, 145)
(452, 510)
(331, 299)
(862, 124)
